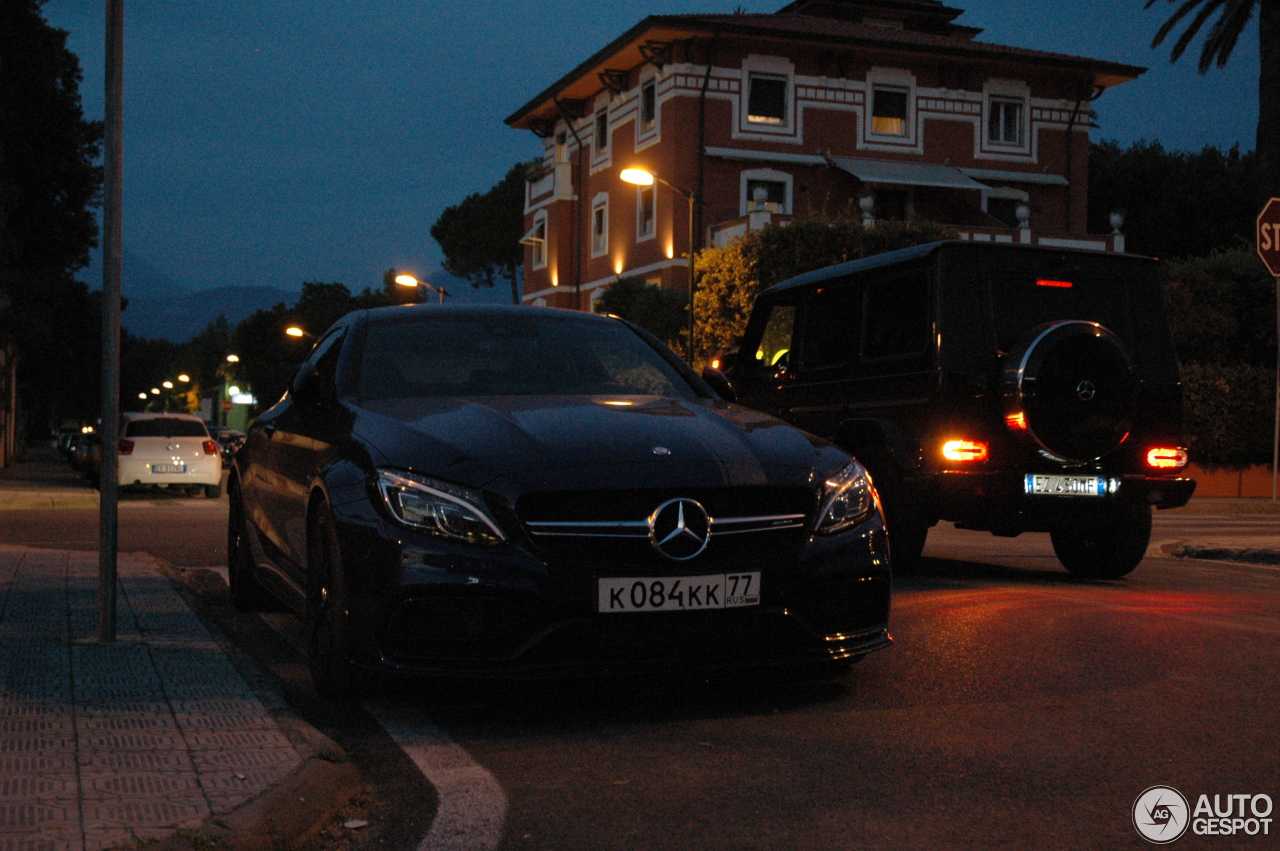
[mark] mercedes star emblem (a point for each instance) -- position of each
(1085, 390)
(679, 529)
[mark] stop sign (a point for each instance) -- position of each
(1269, 236)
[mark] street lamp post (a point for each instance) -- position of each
(410, 281)
(644, 177)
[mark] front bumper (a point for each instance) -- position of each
(998, 501)
(422, 606)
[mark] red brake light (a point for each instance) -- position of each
(969, 451)
(1166, 458)
(1063, 285)
(1017, 422)
(124, 447)
(210, 448)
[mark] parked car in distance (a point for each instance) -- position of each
(229, 441)
(168, 450)
(1000, 387)
(517, 491)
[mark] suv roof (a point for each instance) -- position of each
(921, 252)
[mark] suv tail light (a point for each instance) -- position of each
(1166, 458)
(968, 451)
(210, 448)
(124, 447)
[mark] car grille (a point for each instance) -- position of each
(610, 529)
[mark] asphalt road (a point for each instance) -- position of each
(1019, 708)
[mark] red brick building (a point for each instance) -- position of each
(884, 108)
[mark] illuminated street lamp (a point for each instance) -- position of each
(297, 333)
(168, 385)
(184, 378)
(410, 281)
(644, 177)
(233, 359)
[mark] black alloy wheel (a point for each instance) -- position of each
(907, 530)
(1108, 550)
(247, 594)
(333, 672)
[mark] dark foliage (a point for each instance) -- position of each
(1175, 204)
(662, 312)
(48, 183)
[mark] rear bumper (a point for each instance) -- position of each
(999, 502)
(206, 470)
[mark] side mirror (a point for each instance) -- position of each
(306, 386)
(719, 381)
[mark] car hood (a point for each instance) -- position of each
(633, 441)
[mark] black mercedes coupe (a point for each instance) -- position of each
(516, 491)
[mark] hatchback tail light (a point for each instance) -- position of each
(210, 448)
(1166, 457)
(124, 447)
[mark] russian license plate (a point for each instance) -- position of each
(680, 593)
(1067, 485)
(168, 468)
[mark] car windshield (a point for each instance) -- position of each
(507, 355)
(165, 427)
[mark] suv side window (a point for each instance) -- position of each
(774, 350)
(832, 331)
(896, 318)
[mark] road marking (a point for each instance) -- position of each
(473, 807)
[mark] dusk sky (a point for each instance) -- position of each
(271, 143)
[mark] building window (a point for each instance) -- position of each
(889, 111)
(1004, 122)
(649, 104)
(775, 187)
(768, 195)
(602, 131)
(540, 244)
(645, 213)
(767, 99)
(600, 226)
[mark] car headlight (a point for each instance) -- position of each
(847, 500)
(438, 508)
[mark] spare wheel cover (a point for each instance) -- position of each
(1072, 382)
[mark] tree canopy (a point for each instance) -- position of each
(1219, 43)
(48, 186)
(1176, 204)
(480, 236)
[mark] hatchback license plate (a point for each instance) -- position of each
(681, 593)
(168, 468)
(1066, 485)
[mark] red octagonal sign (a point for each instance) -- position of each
(1269, 236)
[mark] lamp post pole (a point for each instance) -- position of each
(644, 177)
(108, 515)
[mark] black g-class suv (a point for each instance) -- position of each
(1000, 387)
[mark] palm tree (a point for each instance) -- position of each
(1232, 17)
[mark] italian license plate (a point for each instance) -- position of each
(168, 468)
(680, 593)
(1066, 485)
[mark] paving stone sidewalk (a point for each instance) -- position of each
(104, 745)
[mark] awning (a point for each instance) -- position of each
(895, 173)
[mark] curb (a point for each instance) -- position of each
(1246, 555)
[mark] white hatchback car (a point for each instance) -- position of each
(171, 450)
